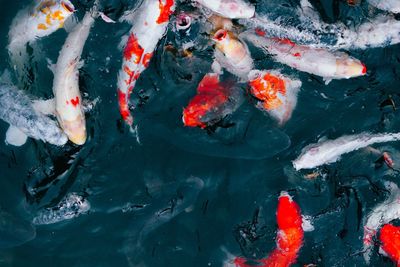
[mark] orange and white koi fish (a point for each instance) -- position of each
(68, 99)
(387, 5)
(232, 54)
(390, 242)
(289, 238)
(33, 22)
(149, 24)
(233, 9)
(321, 62)
(212, 102)
(277, 93)
(383, 213)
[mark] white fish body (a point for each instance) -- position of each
(383, 213)
(68, 100)
(330, 151)
(33, 22)
(324, 63)
(386, 5)
(232, 54)
(17, 109)
(233, 9)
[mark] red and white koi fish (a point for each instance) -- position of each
(321, 62)
(390, 242)
(212, 102)
(150, 23)
(383, 213)
(68, 99)
(387, 5)
(289, 239)
(33, 22)
(277, 93)
(232, 54)
(233, 9)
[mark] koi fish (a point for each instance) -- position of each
(390, 239)
(330, 151)
(277, 93)
(17, 109)
(386, 5)
(289, 239)
(68, 99)
(33, 22)
(232, 54)
(212, 102)
(233, 9)
(150, 23)
(383, 213)
(321, 62)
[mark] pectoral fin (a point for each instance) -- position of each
(70, 23)
(46, 107)
(15, 136)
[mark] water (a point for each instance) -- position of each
(242, 168)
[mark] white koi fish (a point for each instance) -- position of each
(330, 151)
(277, 94)
(25, 119)
(149, 24)
(321, 62)
(233, 9)
(232, 54)
(386, 5)
(68, 100)
(383, 213)
(33, 22)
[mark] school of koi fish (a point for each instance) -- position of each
(259, 63)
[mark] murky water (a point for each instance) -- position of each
(182, 194)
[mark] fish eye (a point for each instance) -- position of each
(67, 7)
(183, 21)
(220, 35)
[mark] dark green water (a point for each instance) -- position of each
(143, 207)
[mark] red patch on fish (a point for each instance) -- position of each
(390, 239)
(285, 41)
(165, 11)
(266, 88)
(289, 239)
(123, 107)
(75, 101)
(388, 160)
(211, 96)
(146, 59)
(364, 70)
(260, 32)
(133, 48)
(297, 54)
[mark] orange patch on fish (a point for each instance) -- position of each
(75, 101)
(165, 11)
(211, 95)
(133, 48)
(42, 26)
(266, 88)
(390, 239)
(146, 59)
(57, 15)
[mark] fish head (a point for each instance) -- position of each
(349, 67)
(183, 22)
(308, 159)
(52, 14)
(75, 129)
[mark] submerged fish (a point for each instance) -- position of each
(289, 238)
(39, 20)
(321, 62)
(149, 24)
(232, 54)
(233, 9)
(330, 151)
(390, 240)
(73, 205)
(381, 214)
(213, 102)
(277, 93)
(387, 5)
(17, 109)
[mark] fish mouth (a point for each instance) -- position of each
(220, 35)
(183, 21)
(68, 6)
